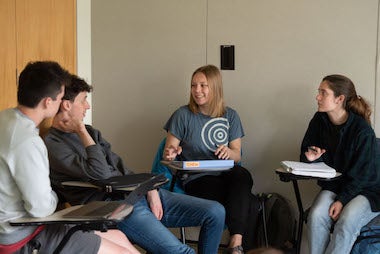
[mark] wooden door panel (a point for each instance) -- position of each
(8, 84)
(46, 30)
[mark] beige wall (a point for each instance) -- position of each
(143, 53)
(84, 46)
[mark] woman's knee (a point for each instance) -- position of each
(355, 214)
(317, 214)
(321, 205)
(242, 175)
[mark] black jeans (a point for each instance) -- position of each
(232, 189)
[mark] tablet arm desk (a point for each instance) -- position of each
(178, 171)
(98, 224)
(102, 225)
(286, 176)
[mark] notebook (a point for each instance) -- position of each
(202, 165)
(97, 210)
(116, 183)
(318, 169)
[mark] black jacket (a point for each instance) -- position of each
(356, 157)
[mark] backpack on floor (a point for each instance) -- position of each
(369, 239)
(249, 236)
(278, 224)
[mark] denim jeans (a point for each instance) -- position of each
(355, 214)
(180, 210)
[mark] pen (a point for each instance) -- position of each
(312, 148)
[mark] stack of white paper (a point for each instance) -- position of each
(318, 169)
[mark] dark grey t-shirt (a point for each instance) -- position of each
(200, 134)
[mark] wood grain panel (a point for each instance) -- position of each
(46, 30)
(8, 85)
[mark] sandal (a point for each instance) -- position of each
(234, 250)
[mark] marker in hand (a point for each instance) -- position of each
(314, 153)
(222, 152)
(171, 152)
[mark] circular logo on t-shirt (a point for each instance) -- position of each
(215, 133)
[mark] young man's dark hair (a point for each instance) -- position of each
(76, 86)
(39, 80)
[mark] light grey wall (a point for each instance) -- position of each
(143, 54)
(84, 47)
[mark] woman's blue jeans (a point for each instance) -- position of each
(355, 214)
(180, 210)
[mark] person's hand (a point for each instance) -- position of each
(223, 152)
(335, 210)
(314, 152)
(171, 152)
(71, 124)
(155, 204)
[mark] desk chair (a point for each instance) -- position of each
(174, 184)
(84, 225)
(303, 215)
(285, 176)
(102, 225)
(158, 168)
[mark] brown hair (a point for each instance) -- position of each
(76, 86)
(214, 81)
(342, 85)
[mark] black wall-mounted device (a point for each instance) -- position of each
(227, 57)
